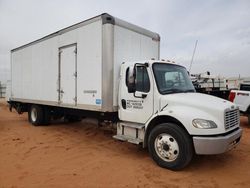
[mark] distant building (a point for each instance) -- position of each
(2, 89)
(4, 77)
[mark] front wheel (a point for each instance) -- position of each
(170, 146)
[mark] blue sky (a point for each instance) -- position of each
(222, 28)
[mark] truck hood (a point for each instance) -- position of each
(201, 101)
(188, 106)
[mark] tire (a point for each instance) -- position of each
(36, 115)
(170, 146)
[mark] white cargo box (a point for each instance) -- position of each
(78, 67)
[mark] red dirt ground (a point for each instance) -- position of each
(82, 155)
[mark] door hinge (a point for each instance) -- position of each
(75, 51)
(75, 74)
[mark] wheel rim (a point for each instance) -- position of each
(166, 147)
(33, 114)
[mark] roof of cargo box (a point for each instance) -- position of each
(106, 19)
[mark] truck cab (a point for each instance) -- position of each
(160, 109)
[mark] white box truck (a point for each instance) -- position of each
(110, 69)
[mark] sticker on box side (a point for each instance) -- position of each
(98, 101)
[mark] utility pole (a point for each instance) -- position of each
(193, 56)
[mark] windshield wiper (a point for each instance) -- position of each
(169, 91)
(189, 90)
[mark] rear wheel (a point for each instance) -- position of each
(170, 146)
(35, 115)
(38, 115)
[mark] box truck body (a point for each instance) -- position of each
(110, 69)
(78, 67)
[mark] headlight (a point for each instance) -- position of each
(204, 124)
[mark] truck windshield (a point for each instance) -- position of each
(172, 79)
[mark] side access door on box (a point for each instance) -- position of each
(67, 75)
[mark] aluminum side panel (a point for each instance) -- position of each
(89, 65)
(35, 67)
(34, 71)
(131, 46)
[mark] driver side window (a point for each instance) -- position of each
(142, 79)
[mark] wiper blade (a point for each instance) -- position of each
(169, 91)
(189, 90)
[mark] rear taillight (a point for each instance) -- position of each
(231, 96)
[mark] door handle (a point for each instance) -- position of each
(124, 106)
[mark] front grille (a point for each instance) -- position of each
(232, 118)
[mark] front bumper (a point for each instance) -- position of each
(216, 144)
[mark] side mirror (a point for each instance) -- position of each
(130, 79)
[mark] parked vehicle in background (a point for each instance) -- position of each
(242, 99)
(96, 69)
(233, 83)
(209, 84)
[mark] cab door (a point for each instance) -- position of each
(136, 106)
